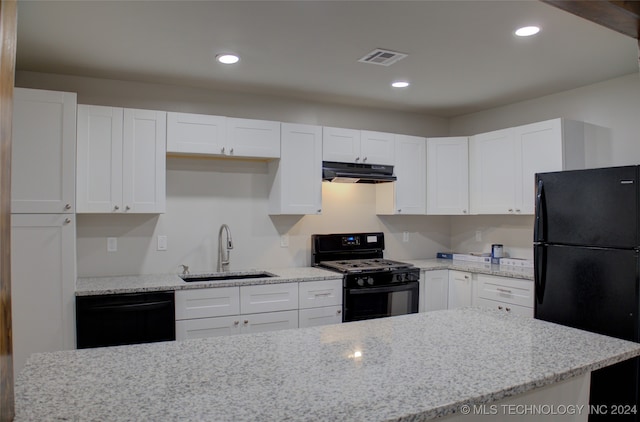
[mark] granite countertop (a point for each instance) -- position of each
(88, 286)
(412, 367)
(473, 267)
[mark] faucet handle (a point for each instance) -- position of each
(185, 269)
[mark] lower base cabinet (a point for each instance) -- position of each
(505, 294)
(435, 293)
(315, 317)
(237, 324)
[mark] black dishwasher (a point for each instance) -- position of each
(128, 318)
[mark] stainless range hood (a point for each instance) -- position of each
(356, 173)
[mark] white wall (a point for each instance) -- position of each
(203, 194)
(614, 104)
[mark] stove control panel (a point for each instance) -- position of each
(350, 241)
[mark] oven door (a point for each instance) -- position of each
(379, 302)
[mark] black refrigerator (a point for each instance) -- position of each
(587, 260)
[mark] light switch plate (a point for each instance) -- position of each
(112, 244)
(478, 236)
(162, 243)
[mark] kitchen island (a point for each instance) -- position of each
(410, 367)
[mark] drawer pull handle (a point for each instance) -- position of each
(327, 294)
(504, 290)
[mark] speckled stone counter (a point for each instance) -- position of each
(88, 286)
(411, 367)
(473, 267)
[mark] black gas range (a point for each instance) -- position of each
(373, 287)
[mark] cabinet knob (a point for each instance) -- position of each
(67, 220)
(222, 150)
(508, 309)
(116, 208)
(464, 211)
(510, 209)
(127, 208)
(365, 159)
(320, 210)
(339, 311)
(400, 210)
(246, 321)
(67, 207)
(231, 151)
(517, 210)
(236, 322)
(357, 158)
(500, 307)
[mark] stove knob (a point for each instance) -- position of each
(370, 281)
(360, 282)
(399, 277)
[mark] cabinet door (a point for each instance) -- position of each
(43, 152)
(99, 178)
(297, 177)
(143, 161)
(43, 284)
(410, 190)
(492, 162)
(196, 133)
(541, 150)
(436, 290)
(342, 145)
(315, 317)
(377, 147)
(268, 298)
(447, 176)
(253, 138)
(460, 290)
(207, 327)
(206, 303)
(269, 321)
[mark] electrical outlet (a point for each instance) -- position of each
(478, 236)
(284, 241)
(162, 243)
(405, 237)
(112, 244)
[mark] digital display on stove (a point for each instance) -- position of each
(350, 241)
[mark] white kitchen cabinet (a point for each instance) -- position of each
(236, 324)
(121, 160)
(268, 298)
(43, 272)
(407, 195)
(503, 163)
(355, 146)
(448, 176)
(190, 133)
(296, 179)
(43, 152)
(435, 290)
(320, 302)
(460, 289)
(269, 321)
(204, 303)
(504, 293)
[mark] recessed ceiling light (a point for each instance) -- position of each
(527, 31)
(227, 58)
(400, 84)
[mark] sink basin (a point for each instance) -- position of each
(225, 276)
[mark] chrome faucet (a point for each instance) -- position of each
(223, 263)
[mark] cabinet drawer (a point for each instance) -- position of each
(270, 321)
(268, 298)
(507, 290)
(320, 316)
(315, 294)
(207, 327)
(506, 307)
(205, 303)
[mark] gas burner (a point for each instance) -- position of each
(361, 265)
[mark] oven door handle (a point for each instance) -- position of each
(385, 289)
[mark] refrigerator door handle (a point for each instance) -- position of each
(540, 264)
(539, 229)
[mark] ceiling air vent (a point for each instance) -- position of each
(382, 57)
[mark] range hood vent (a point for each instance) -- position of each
(356, 173)
(382, 57)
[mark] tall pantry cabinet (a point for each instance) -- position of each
(43, 222)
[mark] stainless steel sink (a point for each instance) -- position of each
(226, 276)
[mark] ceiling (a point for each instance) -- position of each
(462, 56)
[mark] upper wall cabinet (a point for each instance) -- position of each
(296, 186)
(503, 163)
(121, 160)
(44, 145)
(407, 194)
(356, 146)
(222, 136)
(448, 176)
